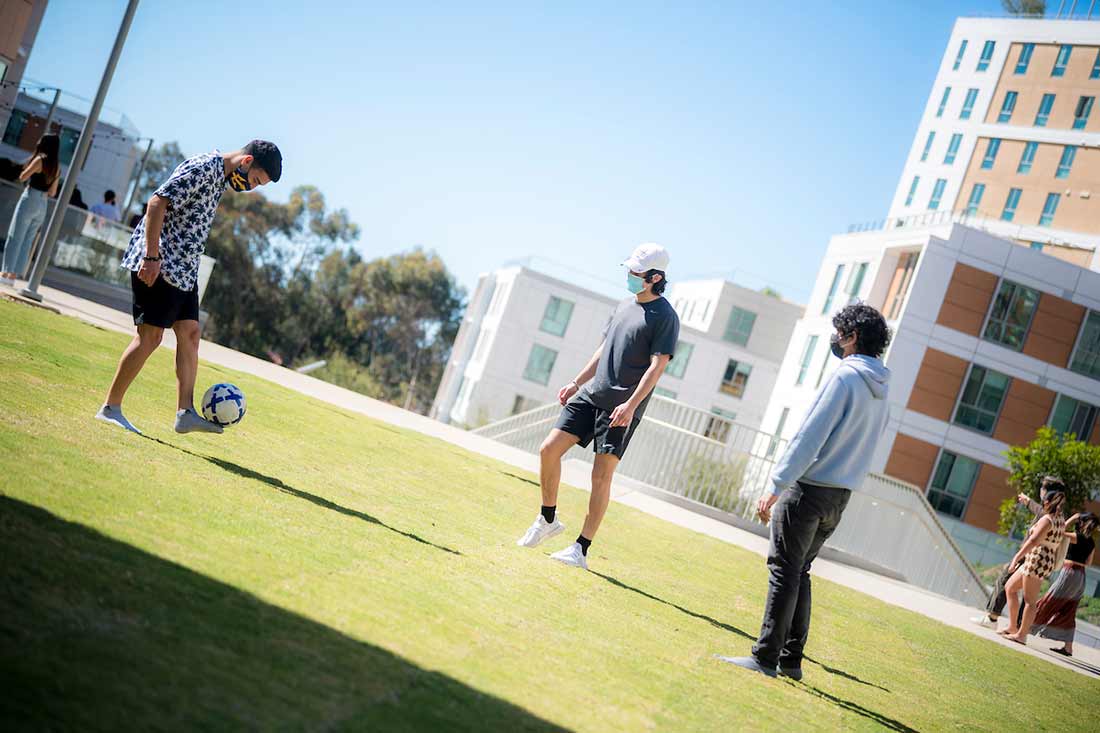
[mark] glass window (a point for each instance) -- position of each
(981, 399)
(1025, 57)
(1027, 158)
(1050, 208)
(927, 146)
(1060, 62)
(540, 363)
(975, 201)
(968, 104)
(987, 55)
(1086, 357)
(807, 357)
(1011, 315)
(735, 378)
(522, 404)
(1011, 203)
(739, 326)
(952, 483)
(824, 368)
(943, 101)
(774, 442)
(1045, 106)
(959, 55)
(1065, 164)
(899, 284)
(1073, 417)
(1095, 73)
(4, 68)
(679, 362)
(662, 392)
(937, 193)
(991, 149)
(1082, 112)
(718, 427)
(555, 319)
(16, 123)
(833, 288)
(1007, 107)
(952, 148)
(1038, 246)
(69, 138)
(855, 281)
(912, 190)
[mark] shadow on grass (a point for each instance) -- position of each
(524, 479)
(732, 629)
(276, 483)
(96, 634)
(884, 721)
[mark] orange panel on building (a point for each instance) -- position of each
(967, 299)
(1054, 330)
(912, 460)
(1026, 409)
(938, 383)
(990, 489)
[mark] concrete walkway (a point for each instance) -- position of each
(576, 473)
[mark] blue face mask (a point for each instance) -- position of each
(634, 283)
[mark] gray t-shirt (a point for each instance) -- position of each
(635, 332)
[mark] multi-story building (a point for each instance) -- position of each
(19, 23)
(526, 333)
(985, 269)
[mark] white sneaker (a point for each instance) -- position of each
(984, 620)
(539, 531)
(572, 555)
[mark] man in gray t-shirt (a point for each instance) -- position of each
(617, 382)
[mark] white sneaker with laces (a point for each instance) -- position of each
(539, 531)
(985, 621)
(572, 555)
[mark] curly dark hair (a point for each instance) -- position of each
(872, 333)
(267, 156)
(658, 288)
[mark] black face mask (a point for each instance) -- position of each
(238, 180)
(835, 347)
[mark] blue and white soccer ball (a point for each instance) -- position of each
(223, 404)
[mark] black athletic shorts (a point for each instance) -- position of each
(163, 304)
(586, 421)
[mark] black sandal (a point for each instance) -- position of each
(1063, 652)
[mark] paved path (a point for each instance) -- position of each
(575, 473)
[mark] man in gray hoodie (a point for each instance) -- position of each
(828, 458)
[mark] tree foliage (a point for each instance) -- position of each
(1025, 7)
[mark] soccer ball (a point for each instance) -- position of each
(223, 404)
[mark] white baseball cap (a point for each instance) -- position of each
(647, 257)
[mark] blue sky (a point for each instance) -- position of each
(740, 137)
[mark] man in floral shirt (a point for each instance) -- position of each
(163, 259)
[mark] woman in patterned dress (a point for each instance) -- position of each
(1056, 616)
(1035, 563)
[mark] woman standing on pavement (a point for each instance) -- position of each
(1056, 613)
(1037, 555)
(41, 174)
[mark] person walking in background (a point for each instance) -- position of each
(1056, 612)
(109, 208)
(136, 218)
(828, 458)
(606, 400)
(1034, 563)
(77, 200)
(41, 174)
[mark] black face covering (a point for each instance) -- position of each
(238, 180)
(834, 345)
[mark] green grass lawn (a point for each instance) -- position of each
(314, 569)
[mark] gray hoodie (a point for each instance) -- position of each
(837, 439)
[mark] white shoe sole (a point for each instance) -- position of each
(109, 421)
(553, 533)
(570, 563)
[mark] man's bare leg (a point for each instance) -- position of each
(603, 470)
(144, 343)
(188, 420)
(547, 524)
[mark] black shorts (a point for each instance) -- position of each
(163, 304)
(586, 421)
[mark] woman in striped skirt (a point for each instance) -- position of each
(1056, 613)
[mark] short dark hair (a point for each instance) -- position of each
(657, 288)
(109, 195)
(872, 333)
(268, 157)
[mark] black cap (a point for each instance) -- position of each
(268, 157)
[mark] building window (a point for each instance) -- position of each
(952, 148)
(1025, 58)
(522, 404)
(1008, 107)
(943, 101)
(981, 399)
(952, 483)
(662, 392)
(778, 435)
(807, 357)
(987, 55)
(824, 368)
(539, 364)
(1011, 315)
(912, 190)
(1069, 152)
(1027, 158)
(1082, 112)
(937, 193)
(855, 281)
(959, 56)
(69, 138)
(1045, 106)
(832, 288)
(1086, 357)
(1095, 73)
(555, 319)
(679, 362)
(968, 104)
(1050, 208)
(16, 123)
(718, 427)
(975, 201)
(739, 326)
(899, 284)
(1037, 246)
(1073, 417)
(1011, 203)
(927, 146)
(1060, 62)
(991, 149)
(735, 378)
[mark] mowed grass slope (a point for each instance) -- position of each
(314, 569)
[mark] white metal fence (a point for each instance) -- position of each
(714, 461)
